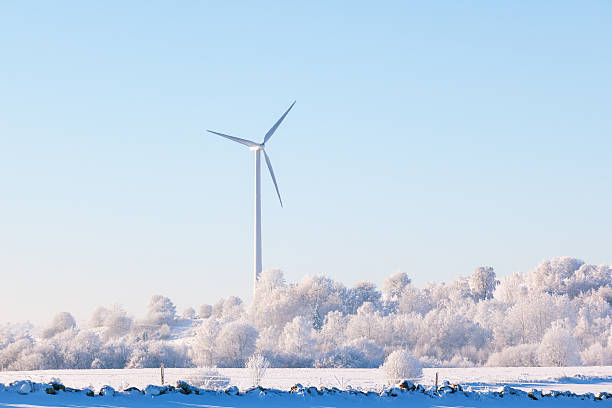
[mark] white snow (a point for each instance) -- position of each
(26, 395)
(575, 379)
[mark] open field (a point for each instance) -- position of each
(480, 388)
(575, 379)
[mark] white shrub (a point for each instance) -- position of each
(401, 365)
(257, 365)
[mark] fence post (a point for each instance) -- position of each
(161, 369)
(436, 380)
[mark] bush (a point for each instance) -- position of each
(257, 366)
(401, 365)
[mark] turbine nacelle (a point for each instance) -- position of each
(257, 147)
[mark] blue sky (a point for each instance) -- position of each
(427, 137)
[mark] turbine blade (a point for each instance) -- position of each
(272, 174)
(273, 129)
(235, 139)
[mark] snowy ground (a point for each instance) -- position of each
(26, 394)
(575, 379)
(284, 399)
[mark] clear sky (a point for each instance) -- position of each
(427, 137)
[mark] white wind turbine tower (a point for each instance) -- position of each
(258, 148)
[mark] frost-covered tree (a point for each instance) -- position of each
(343, 357)
(13, 350)
(597, 355)
(373, 353)
(269, 280)
(558, 348)
(317, 296)
(268, 340)
(217, 308)
(297, 338)
(275, 303)
(232, 308)
(205, 311)
(161, 311)
(394, 286)
(115, 353)
(523, 355)
(588, 277)
(98, 318)
(405, 331)
(483, 282)
(235, 343)
(361, 293)
(77, 349)
(511, 288)
(367, 323)
(149, 354)
(414, 300)
(115, 321)
(189, 313)
(61, 322)
(203, 349)
(526, 319)
(332, 334)
(40, 356)
(444, 332)
(552, 276)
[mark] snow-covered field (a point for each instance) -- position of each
(480, 388)
(575, 379)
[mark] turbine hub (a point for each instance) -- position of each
(255, 148)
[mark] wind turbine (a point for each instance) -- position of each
(258, 148)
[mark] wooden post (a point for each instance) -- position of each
(436, 380)
(161, 369)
